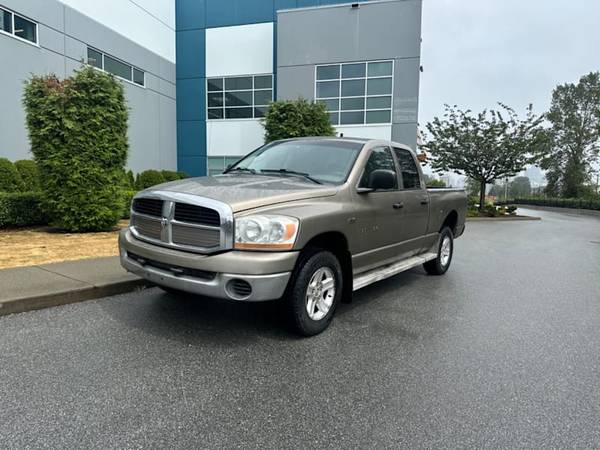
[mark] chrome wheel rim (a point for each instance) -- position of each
(320, 293)
(445, 251)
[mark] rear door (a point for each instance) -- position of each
(415, 201)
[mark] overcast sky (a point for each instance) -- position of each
(478, 52)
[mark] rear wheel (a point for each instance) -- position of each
(441, 263)
(314, 292)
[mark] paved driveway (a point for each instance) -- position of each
(503, 351)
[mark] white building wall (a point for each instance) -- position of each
(149, 23)
(366, 131)
(232, 51)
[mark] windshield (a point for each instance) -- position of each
(322, 160)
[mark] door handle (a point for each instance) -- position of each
(398, 205)
(425, 202)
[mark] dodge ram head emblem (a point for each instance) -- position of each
(164, 222)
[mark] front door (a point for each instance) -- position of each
(377, 229)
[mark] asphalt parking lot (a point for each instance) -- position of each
(501, 352)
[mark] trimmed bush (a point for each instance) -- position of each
(576, 203)
(78, 133)
(127, 197)
(10, 179)
(20, 209)
(130, 179)
(296, 118)
(29, 174)
(149, 178)
(170, 175)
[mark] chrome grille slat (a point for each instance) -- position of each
(146, 226)
(196, 237)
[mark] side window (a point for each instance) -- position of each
(380, 159)
(408, 169)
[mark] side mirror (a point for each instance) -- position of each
(382, 180)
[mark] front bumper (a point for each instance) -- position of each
(266, 274)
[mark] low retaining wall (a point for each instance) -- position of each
(580, 211)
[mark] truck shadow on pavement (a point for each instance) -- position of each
(195, 319)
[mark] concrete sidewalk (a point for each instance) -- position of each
(35, 287)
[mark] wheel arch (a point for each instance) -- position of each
(451, 221)
(337, 243)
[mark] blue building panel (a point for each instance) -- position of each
(194, 166)
(221, 13)
(191, 138)
(190, 14)
(191, 95)
(191, 53)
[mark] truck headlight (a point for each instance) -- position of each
(265, 232)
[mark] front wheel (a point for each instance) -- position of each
(314, 292)
(441, 263)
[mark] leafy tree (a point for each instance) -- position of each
(519, 187)
(29, 174)
(78, 133)
(486, 146)
(575, 118)
(149, 178)
(432, 182)
(296, 118)
(10, 179)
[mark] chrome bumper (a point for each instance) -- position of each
(264, 286)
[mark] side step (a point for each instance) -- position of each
(381, 273)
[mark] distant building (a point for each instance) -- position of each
(233, 57)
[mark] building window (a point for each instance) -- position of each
(112, 65)
(18, 26)
(217, 164)
(356, 93)
(243, 97)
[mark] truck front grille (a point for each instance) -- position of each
(148, 206)
(197, 214)
(164, 219)
(146, 226)
(196, 237)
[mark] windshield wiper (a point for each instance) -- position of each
(240, 169)
(291, 172)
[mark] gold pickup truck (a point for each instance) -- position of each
(304, 221)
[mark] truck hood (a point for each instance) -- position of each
(242, 192)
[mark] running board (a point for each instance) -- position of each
(381, 273)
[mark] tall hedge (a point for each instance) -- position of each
(296, 118)
(10, 179)
(29, 174)
(78, 133)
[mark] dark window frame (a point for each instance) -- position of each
(395, 151)
(132, 68)
(258, 110)
(396, 171)
(13, 32)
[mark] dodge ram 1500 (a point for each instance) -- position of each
(307, 221)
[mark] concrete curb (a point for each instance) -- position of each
(24, 304)
(502, 219)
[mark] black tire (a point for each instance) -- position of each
(437, 266)
(296, 303)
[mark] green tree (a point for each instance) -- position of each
(575, 118)
(296, 118)
(29, 174)
(486, 146)
(10, 178)
(519, 187)
(78, 133)
(432, 182)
